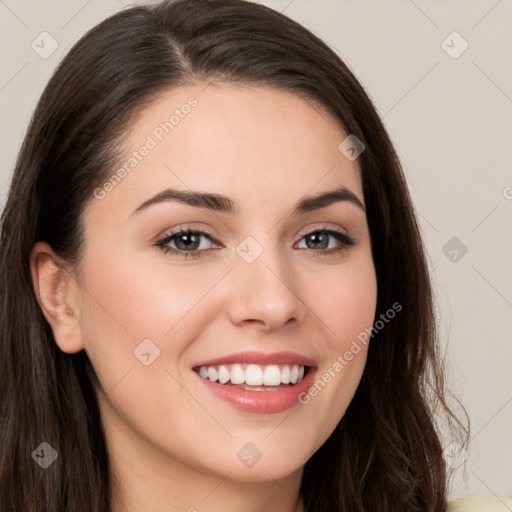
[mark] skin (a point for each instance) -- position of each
(172, 443)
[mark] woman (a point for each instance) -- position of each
(216, 295)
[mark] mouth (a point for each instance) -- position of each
(256, 382)
(254, 377)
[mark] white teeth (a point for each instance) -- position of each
(224, 374)
(272, 376)
(254, 374)
(237, 374)
(213, 374)
(285, 375)
(294, 375)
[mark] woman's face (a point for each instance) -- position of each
(268, 280)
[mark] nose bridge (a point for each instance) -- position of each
(263, 284)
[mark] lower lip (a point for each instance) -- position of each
(260, 402)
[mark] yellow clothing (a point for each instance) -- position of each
(481, 504)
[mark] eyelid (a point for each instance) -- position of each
(177, 230)
(207, 231)
(346, 240)
(324, 227)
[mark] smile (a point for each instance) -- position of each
(253, 376)
(257, 382)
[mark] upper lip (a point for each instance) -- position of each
(261, 358)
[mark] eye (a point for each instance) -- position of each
(187, 242)
(319, 240)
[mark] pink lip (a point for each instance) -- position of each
(262, 402)
(260, 358)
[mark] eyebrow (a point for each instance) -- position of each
(223, 204)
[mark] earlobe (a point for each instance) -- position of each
(57, 295)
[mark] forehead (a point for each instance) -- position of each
(237, 140)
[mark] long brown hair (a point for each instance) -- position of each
(386, 453)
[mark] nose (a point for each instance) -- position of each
(265, 292)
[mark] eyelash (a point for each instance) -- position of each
(346, 242)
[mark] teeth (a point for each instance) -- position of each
(254, 374)
(224, 374)
(293, 377)
(272, 376)
(213, 374)
(237, 374)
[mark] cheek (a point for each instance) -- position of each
(346, 305)
(144, 299)
(130, 299)
(346, 301)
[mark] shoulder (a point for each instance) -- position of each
(481, 504)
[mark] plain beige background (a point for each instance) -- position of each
(448, 110)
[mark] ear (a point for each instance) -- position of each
(57, 294)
